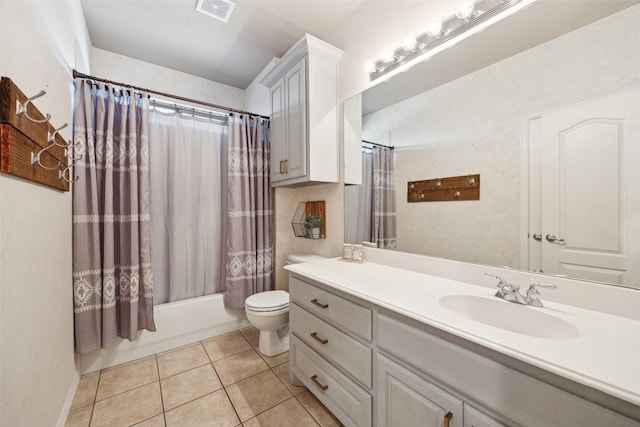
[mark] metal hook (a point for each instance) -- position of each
(68, 152)
(51, 137)
(35, 158)
(66, 173)
(456, 193)
(21, 108)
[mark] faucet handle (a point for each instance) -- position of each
(502, 280)
(533, 294)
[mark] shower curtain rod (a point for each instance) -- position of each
(390, 147)
(77, 74)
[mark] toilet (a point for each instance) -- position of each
(269, 312)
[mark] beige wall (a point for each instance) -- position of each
(111, 66)
(40, 42)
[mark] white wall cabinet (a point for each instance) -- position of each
(355, 356)
(303, 90)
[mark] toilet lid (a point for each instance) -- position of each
(268, 301)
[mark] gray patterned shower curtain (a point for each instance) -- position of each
(383, 223)
(112, 278)
(249, 261)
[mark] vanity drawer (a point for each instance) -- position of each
(349, 354)
(343, 313)
(346, 400)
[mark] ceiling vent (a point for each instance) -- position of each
(218, 9)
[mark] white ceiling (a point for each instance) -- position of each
(172, 34)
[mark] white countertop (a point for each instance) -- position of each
(605, 355)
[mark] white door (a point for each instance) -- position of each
(590, 190)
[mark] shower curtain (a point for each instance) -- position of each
(249, 262)
(112, 272)
(188, 203)
(357, 204)
(383, 227)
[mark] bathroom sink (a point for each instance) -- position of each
(510, 316)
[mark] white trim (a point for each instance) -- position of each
(68, 401)
(307, 45)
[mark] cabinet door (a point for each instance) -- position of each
(405, 399)
(296, 121)
(278, 131)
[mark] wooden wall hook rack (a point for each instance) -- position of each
(30, 147)
(455, 188)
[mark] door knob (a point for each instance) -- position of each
(553, 239)
(537, 236)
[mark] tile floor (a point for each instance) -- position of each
(222, 381)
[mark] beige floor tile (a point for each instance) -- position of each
(79, 417)
(211, 410)
(189, 385)
(127, 377)
(275, 360)
(257, 394)
(157, 421)
(239, 366)
(321, 414)
(289, 413)
(128, 408)
(183, 359)
(252, 335)
(86, 391)
(283, 372)
(225, 345)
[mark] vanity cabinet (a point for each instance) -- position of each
(403, 398)
(303, 88)
(330, 351)
(355, 355)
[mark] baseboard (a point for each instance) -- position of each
(64, 413)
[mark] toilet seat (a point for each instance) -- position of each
(267, 301)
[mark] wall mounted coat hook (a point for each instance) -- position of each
(21, 108)
(35, 158)
(52, 136)
(68, 152)
(66, 174)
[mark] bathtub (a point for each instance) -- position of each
(177, 323)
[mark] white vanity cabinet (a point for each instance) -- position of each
(329, 351)
(303, 90)
(371, 365)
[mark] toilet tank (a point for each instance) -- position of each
(300, 258)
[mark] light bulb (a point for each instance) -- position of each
(434, 29)
(370, 67)
(409, 43)
(466, 9)
(388, 56)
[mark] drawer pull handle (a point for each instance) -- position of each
(315, 302)
(317, 338)
(447, 418)
(317, 383)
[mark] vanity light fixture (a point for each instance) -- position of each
(471, 17)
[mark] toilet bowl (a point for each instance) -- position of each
(269, 312)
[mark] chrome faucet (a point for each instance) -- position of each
(511, 292)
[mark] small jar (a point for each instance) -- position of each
(357, 253)
(347, 251)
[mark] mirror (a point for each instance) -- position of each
(472, 109)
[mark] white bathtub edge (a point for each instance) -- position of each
(177, 324)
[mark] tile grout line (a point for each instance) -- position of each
(224, 388)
